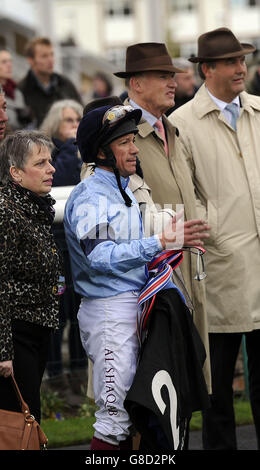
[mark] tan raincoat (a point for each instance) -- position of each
(225, 167)
(171, 184)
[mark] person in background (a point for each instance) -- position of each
(219, 131)
(3, 115)
(102, 86)
(61, 124)
(19, 115)
(253, 79)
(186, 84)
(41, 87)
(29, 266)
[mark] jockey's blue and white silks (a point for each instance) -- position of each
(105, 238)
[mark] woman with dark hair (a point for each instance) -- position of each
(102, 86)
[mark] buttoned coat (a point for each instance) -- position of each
(225, 167)
(171, 185)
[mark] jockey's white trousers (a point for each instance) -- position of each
(108, 334)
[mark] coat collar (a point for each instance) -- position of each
(145, 128)
(204, 105)
(136, 182)
(31, 81)
(33, 205)
(250, 103)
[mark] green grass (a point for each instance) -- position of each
(68, 432)
(80, 430)
(243, 415)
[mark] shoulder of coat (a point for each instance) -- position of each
(170, 126)
(136, 182)
(198, 107)
(250, 101)
(144, 128)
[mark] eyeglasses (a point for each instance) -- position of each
(115, 114)
(71, 120)
(200, 267)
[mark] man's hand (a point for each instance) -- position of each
(179, 233)
(6, 368)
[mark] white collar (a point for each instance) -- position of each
(150, 118)
(222, 104)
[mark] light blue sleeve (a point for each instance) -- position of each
(85, 216)
(111, 257)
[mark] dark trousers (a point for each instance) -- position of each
(31, 343)
(68, 310)
(219, 421)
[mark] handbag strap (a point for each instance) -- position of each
(26, 434)
(24, 407)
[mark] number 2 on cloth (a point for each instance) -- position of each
(160, 379)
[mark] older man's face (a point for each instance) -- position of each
(125, 152)
(156, 91)
(3, 116)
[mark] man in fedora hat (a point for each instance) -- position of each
(221, 144)
(149, 75)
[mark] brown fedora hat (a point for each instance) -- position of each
(147, 56)
(220, 43)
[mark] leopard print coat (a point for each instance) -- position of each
(29, 263)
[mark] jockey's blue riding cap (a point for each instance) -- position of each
(101, 125)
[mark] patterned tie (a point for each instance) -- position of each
(232, 108)
(161, 131)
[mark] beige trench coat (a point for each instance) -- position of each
(171, 184)
(225, 167)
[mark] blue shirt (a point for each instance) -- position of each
(105, 238)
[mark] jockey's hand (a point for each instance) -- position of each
(179, 233)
